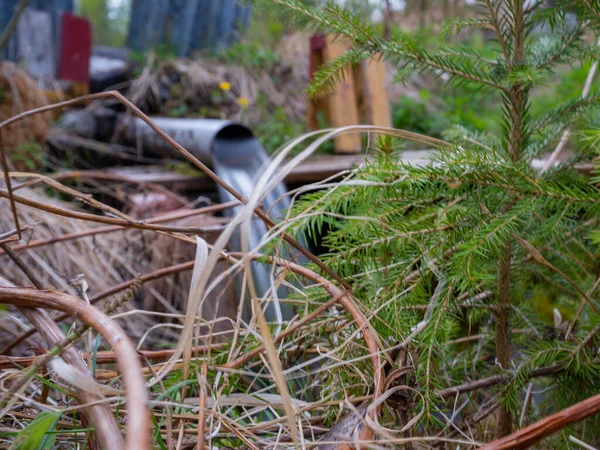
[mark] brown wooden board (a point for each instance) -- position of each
(342, 106)
(376, 99)
(314, 169)
(358, 98)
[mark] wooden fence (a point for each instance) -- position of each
(185, 26)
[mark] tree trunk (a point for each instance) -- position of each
(446, 9)
(387, 19)
(503, 330)
(517, 95)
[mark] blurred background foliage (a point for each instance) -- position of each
(109, 20)
(424, 104)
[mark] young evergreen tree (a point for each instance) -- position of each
(479, 247)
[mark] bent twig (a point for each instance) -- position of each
(100, 415)
(138, 419)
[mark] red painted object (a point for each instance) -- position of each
(318, 42)
(75, 49)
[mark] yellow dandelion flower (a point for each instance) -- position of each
(243, 101)
(225, 86)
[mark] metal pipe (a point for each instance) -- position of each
(238, 158)
(196, 135)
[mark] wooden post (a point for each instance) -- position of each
(360, 98)
(371, 93)
(342, 106)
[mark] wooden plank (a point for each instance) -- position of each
(225, 23)
(377, 105)
(35, 44)
(206, 25)
(342, 107)
(186, 25)
(147, 24)
(243, 13)
(7, 9)
(314, 169)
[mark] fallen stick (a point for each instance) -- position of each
(538, 431)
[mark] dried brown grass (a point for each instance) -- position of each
(194, 86)
(18, 93)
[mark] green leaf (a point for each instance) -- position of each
(35, 436)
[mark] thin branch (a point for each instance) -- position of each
(580, 307)
(141, 225)
(109, 229)
(40, 362)
(21, 265)
(497, 380)
(165, 271)
(536, 432)
(108, 357)
(11, 199)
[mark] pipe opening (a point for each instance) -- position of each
(234, 132)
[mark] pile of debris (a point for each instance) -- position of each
(208, 88)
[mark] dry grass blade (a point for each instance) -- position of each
(345, 299)
(277, 372)
(538, 257)
(107, 357)
(127, 223)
